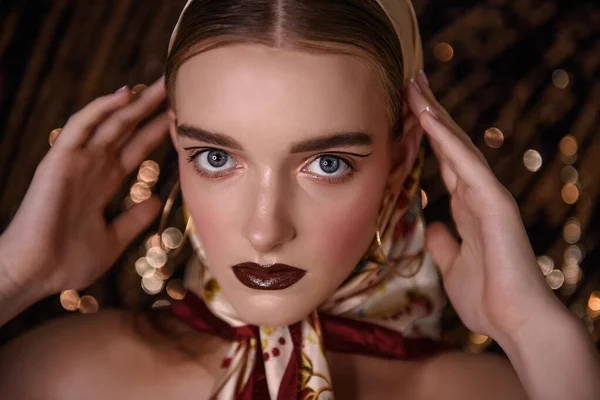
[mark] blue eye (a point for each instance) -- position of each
(328, 166)
(215, 160)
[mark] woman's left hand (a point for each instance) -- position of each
(491, 278)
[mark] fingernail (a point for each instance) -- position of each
(430, 111)
(424, 77)
(122, 89)
(415, 84)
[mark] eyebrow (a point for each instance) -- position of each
(342, 139)
(338, 139)
(202, 135)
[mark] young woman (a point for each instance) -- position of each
(298, 126)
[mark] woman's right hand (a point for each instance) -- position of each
(59, 238)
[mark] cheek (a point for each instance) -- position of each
(345, 232)
(211, 212)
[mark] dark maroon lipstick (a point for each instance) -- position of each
(267, 277)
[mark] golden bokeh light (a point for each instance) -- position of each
(165, 272)
(477, 342)
(69, 299)
(573, 254)
(494, 138)
(532, 160)
(593, 305)
(172, 238)
(88, 305)
(594, 301)
(572, 273)
(153, 241)
(53, 136)
(569, 160)
(569, 174)
(176, 289)
(568, 146)
(478, 339)
(567, 290)
(443, 52)
(546, 264)
(560, 78)
(143, 268)
(572, 231)
(140, 192)
(570, 193)
(149, 172)
(152, 285)
(555, 279)
(156, 257)
(151, 164)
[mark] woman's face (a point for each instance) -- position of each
(284, 157)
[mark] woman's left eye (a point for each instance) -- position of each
(329, 166)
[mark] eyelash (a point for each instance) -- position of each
(205, 174)
(217, 175)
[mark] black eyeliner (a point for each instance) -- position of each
(348, 154)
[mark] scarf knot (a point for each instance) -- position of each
(302, 377)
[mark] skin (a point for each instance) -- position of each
(491, 277)
(268, 205)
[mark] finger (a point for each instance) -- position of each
(419, 103)
(119, 127)
(423, 87)
(143, 142)
(442, 246)
(124, 229)
(81, 124)
(415, 98)
(448, 175)
(420, 98)
(422, 84)
(461, 159)
(464, 161)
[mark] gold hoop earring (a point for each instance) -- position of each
(380, 245)
(175, 246)
(382, 258)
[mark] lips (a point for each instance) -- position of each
(272, 277)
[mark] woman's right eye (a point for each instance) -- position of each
(211, 162)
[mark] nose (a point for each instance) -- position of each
(268, 224)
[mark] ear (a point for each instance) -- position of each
(405, 150)
(173, 128)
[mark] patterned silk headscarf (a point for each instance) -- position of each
(385, 308)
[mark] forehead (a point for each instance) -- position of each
(250, 88)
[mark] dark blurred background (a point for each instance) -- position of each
(520, 76)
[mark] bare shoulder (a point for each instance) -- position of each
(461, 375)
(94, 356)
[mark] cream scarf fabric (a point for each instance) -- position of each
(404, 297)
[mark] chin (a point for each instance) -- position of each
(275, 309)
